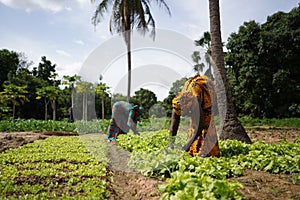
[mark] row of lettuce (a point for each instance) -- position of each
(207, 178)
(100, 126)
(77, 167)
(55, 168)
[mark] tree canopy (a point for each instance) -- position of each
(263, 66)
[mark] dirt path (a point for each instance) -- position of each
(127, 184)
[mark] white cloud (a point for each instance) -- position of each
(63, 53)
(31, 5)
(84, 3)
(80, 42)
(68, 8)
(48, 5)
(68, 68)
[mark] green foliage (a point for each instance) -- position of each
(153, 124)
(9, 61)
(46, 71)
(45, 168)
(15, 95)
(19, 125)
(127, 16)
(48, 92)
(196, 177)
(94, 126)
(176, 87)
(193, 185)
(289, 122)
(151, 141)
(33, 108)
(102, 96)
(263, 66)
(145, 98)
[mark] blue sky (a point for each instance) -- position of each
(62, 30)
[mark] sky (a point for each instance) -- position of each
(62, 31)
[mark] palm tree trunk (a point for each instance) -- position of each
(128, 44)
(232, 128)
(127, 35)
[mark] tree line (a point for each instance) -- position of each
(39, 94)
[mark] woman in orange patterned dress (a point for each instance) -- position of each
(195, 100)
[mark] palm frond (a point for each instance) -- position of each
(163, 4)
(128, 14)
(116, 16)
(100, 10)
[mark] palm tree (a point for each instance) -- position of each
(125, 16)
(198, 67)
(205, 42)
(232, 128)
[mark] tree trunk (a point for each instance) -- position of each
(102, 102)
(232, 128)
(46, 110)
(14, 110)
(53, 103)
(128, 44)
(83, 106)
(72, 96)
(127, 35)
(86, 107)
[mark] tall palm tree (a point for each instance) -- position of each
(232, 128)
(125, 16)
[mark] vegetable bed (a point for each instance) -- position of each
(57, 167)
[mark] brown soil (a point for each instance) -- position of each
(133, 186)
(128, 184)
(15, 139)
(273, 134)
(263, 185)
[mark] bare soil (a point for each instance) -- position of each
(128, 184)
(15, 139)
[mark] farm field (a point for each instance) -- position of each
(66, 165)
